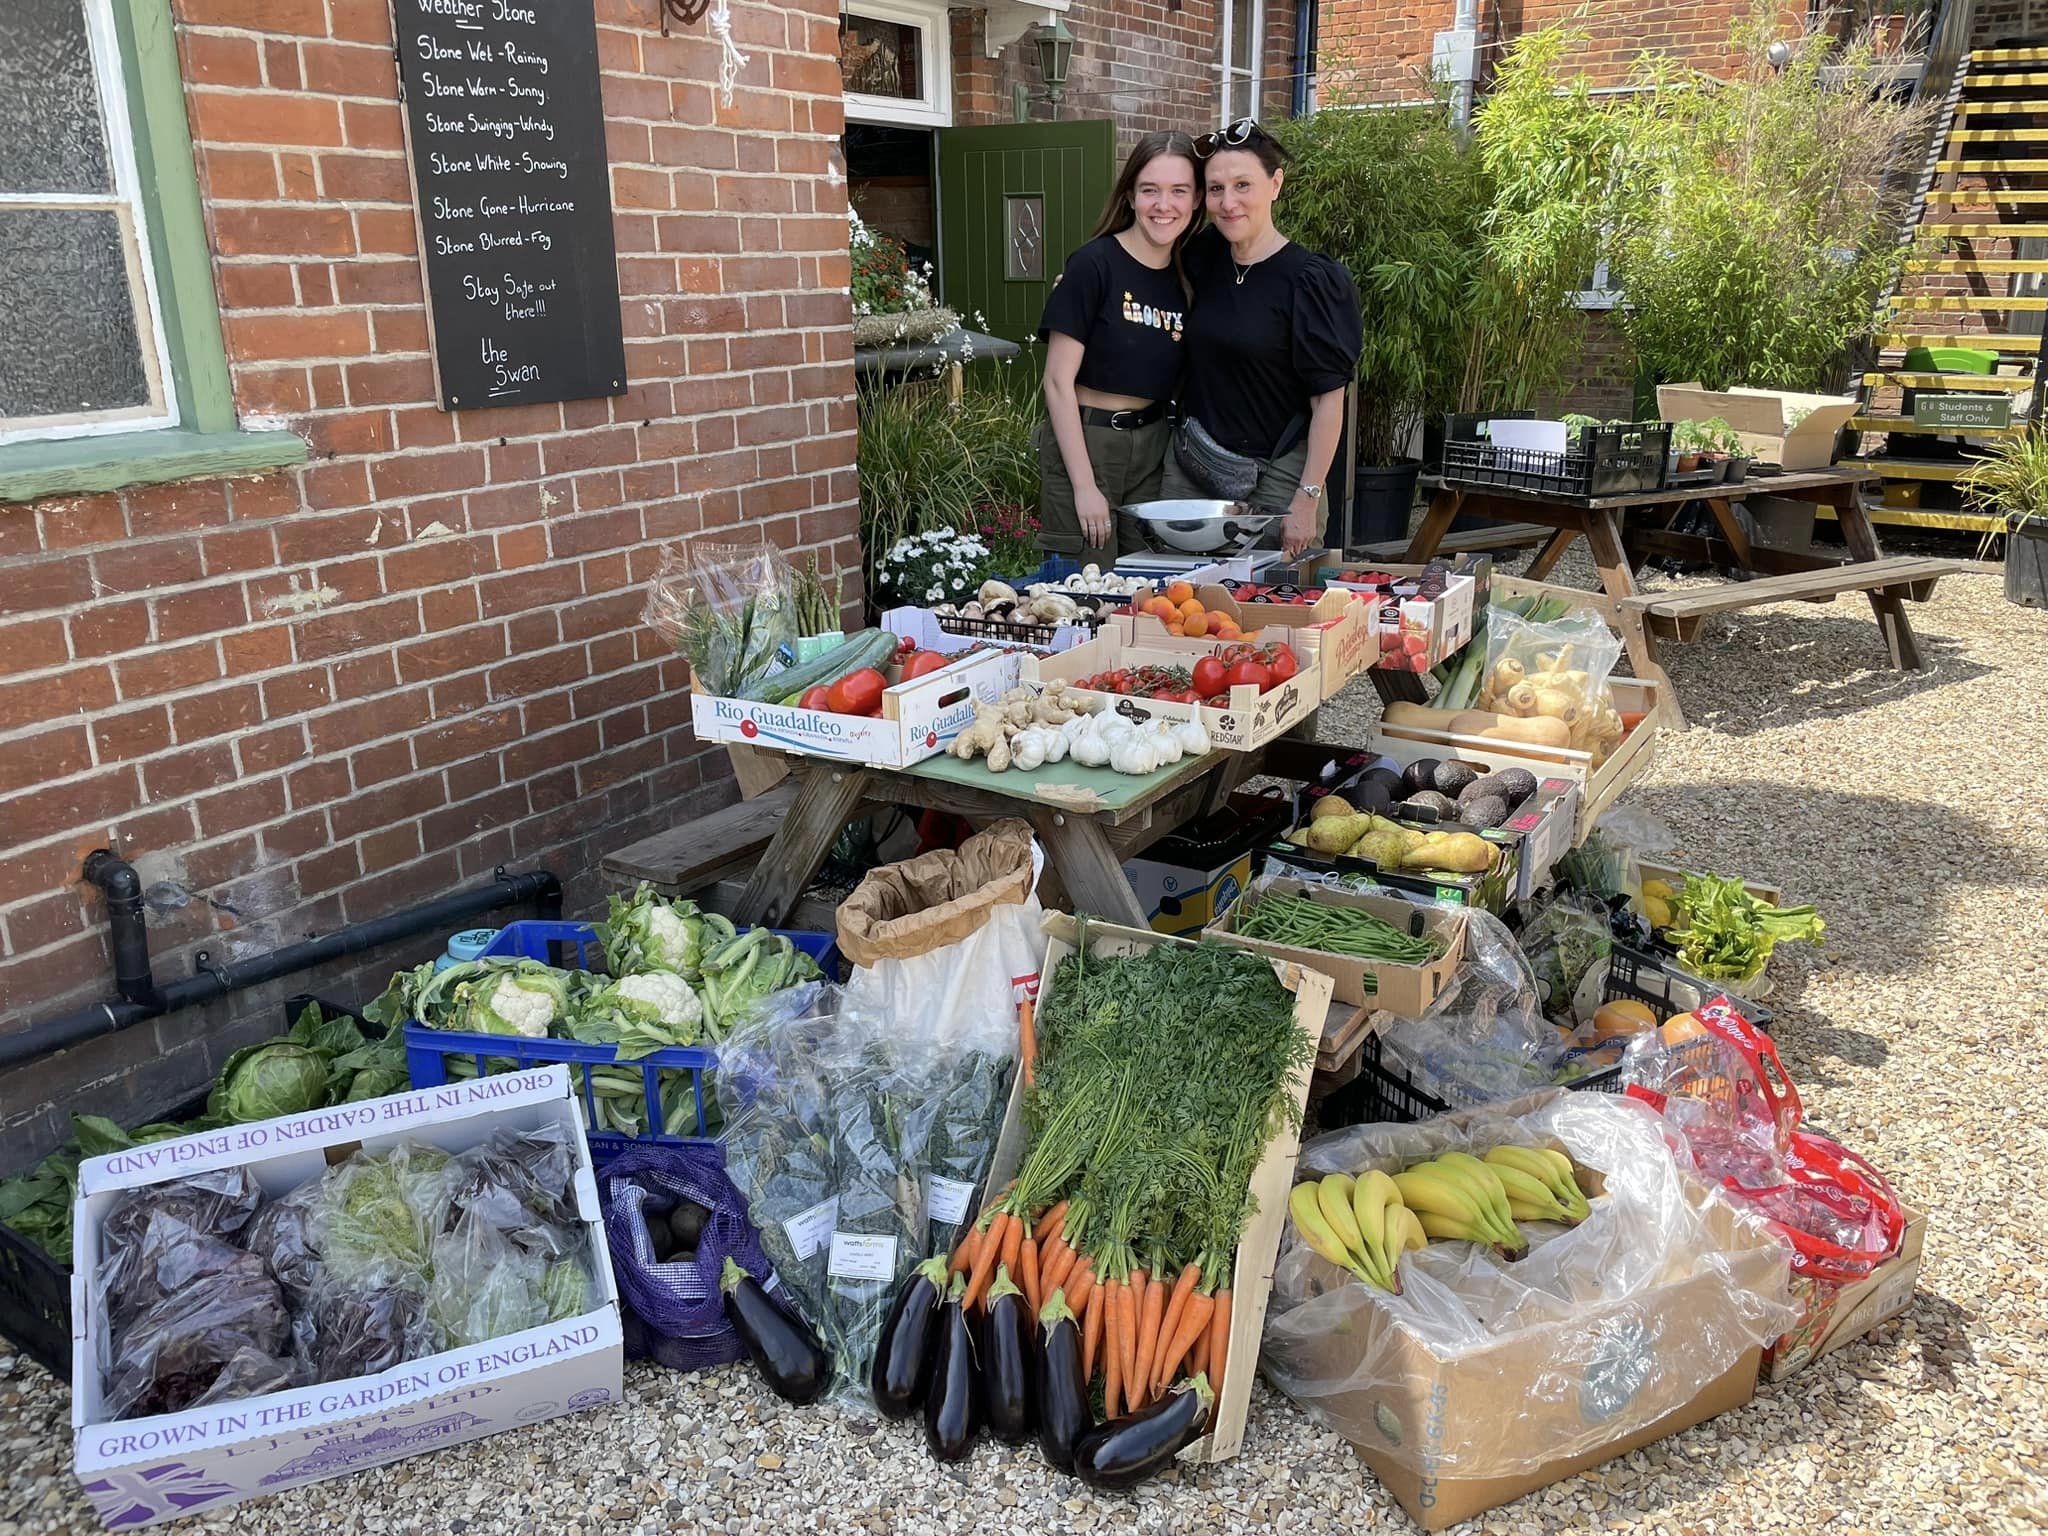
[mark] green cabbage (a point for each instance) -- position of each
(261, 1082)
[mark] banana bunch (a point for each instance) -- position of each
(1460, 1198)
(1539, 1184)
(1358, 1224)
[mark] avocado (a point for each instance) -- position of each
(1483, 811)
(1451, 778)
(1373, 795)
(1419, 775)
(1519, 783)
(1388, 780)
(1439, 807)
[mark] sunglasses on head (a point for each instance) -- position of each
(1230, 136)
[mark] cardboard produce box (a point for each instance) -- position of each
(918, 717)
(1834, 1315)
(1251, 1277)
(143, 1470)
(1543, 828)
(1250, 719)
(1335, 631)
(1400, 989)
(1492, 892)
(1420, 632)
(1487, 1380)
(1763, 419)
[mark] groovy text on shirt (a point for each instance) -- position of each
(1168, 320)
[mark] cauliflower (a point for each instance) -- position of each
(529, 1010)
(670, 999)
(642, 1013)
(651, 933)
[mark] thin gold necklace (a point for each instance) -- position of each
(1242, 270)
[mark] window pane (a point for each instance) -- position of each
(50, 134)
(67, 314)
(1241, 103)
(1243, 44)
(881, 58)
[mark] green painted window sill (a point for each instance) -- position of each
(89, 465)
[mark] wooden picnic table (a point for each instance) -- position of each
(1621, 530)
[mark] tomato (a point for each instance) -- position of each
(1208, 675)
(1283, 665)
(1218, 701)
(1249, 674)
(905, 648)
(920, 663)
(857, 693)
(814, 698)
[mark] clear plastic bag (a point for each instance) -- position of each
(1484, 1039)
(379, 1213)
(730, 609)
(1557, 670)
(1567, 942)
(829, 1116)
(173, 1353)
(1481, 1368)
(346, 1331)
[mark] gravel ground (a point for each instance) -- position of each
(1911, 807)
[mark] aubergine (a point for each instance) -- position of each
(903, 1358)
(1009, 1384)
(784, 1349)
(1129, 1449)
(1064, 1415)
(952, 1403)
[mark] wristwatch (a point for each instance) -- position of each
(1313, 492)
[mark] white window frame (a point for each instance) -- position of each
(1230, 72)
(935, 64)
(125, 201)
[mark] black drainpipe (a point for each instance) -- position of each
(142, 999)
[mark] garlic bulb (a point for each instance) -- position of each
(1160, 738)
(1089, 749)
(1027, 749)
(1193, 737)
(1132, 755)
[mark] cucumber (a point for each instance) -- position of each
(869, 648)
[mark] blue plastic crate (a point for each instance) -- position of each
(1056, 568)
(574, 946)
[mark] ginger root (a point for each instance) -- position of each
(989, 736)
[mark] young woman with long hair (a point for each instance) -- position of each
(1114, 325)
(1273, 338)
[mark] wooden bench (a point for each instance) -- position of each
(695, 856)
(1678, 615)
(1471, 541)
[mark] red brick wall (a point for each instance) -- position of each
(304, 699)
(1380, 49)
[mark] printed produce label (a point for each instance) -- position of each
(862, 1256)
(809, 1230)
(947, 1199)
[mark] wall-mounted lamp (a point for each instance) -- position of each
(1779, 54)
(1055, 48)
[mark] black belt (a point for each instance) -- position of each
(1123, 421)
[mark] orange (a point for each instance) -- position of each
(1226, 628)
(1178, 593)
(1160, 608)
(1196, 623)
(1682, 1028)
(1190, 606)
(1175, 628)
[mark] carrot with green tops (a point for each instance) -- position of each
(1219, 1340)
(987, 1254)
(1080, 1288)
(1049, 1224)
(1091, 1330)
(1169, 1324)
(1133, 1314)
(963, 1253)
(1027, 1041)
(1113, 1348)
(1198, 1361)
(1149, 1323)
(1027, 1255)
(1194, 1324)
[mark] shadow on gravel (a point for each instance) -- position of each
(1805, 668)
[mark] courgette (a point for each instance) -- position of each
(869, 648)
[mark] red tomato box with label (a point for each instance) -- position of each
(1335, 630)
(1250, 714)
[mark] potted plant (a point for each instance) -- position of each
(2011, 483)
(1734, 456)
(1690, 441)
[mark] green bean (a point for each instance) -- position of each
(1307, 924)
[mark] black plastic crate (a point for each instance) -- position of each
(1607, 461)
(1382, 1092)
(1019, 634)
(35, 1290)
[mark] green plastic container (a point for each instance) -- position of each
(1950, 360)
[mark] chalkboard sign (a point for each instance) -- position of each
(1976, 410)
(505, 131)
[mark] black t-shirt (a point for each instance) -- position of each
(1259, 350)
(1127, 315)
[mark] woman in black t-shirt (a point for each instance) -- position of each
(1273, 338)
(1114, 323)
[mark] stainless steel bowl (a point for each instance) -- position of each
(1198, 527)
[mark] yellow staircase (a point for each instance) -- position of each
(1985, 289)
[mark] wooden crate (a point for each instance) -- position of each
(1252, 1277)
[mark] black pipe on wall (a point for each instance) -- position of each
(141, 999)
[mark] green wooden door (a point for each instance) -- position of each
(1014, 201)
